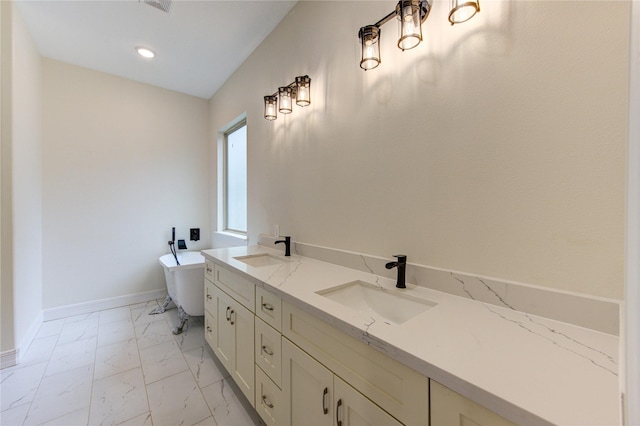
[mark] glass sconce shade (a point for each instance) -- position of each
(408, 12)
(370, 43)
(271, 107)
(463, 10)
(303, 90)
(300, 88)
(284, 93)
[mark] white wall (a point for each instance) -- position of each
(630, 345)
(496, 147)
(123, 162)
(21, 184)
(7, 341)
(27, 182)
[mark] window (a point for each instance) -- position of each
(235, 178)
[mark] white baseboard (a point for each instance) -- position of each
(99, 305)
(12, 357)
(8, 358)
(31, 334)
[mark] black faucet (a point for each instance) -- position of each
(287, 245)
(401, 264)
(172, 245)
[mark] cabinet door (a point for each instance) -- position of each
(243, 370)
(234, 342)
(449, 408)
(307, 388)
(353, 409)
(225, 331)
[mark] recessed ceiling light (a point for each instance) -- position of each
(144, 52)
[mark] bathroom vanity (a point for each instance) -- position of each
(311, 342)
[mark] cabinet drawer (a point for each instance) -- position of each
(208, 269)
(399, 390)
(269, 308)
(238, 287)
(209, 298)
(210, 329)
(268, 348)
(269, 400)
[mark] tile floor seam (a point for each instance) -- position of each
(41, 377)
(198, 386)
(93, 376)
(146, 391)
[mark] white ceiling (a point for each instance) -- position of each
(198, 45)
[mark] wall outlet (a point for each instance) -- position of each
(195, 234)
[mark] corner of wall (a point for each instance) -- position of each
(7, 341)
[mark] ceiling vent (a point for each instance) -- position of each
(163, 5)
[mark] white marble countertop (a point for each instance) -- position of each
(529, 369)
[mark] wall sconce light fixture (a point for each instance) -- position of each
(300, 89)
(463, 10)
(411, 14)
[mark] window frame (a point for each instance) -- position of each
(232, 128)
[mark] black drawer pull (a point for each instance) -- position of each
(325, 393)
(266, 401)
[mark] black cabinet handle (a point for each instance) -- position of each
(325, 393)
(266, 401)
(338, 405)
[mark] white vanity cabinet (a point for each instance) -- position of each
(396, 388)
(313, 395)
(449, 408)
(296, 369)
(230, 325)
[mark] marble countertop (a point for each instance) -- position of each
(527, 368)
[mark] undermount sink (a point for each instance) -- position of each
(260, 260)
(390, 306)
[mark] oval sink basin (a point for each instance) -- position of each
(260, 260)
(380, 304)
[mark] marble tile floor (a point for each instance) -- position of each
(120, 367)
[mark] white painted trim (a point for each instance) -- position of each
(12, 357)
(31, 334)
(98, 305)
(8, 358)
(227, 239)
(632, 282)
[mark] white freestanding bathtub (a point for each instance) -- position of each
(185, 285)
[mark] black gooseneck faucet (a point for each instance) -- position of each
(401, 264)
(287, 245)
